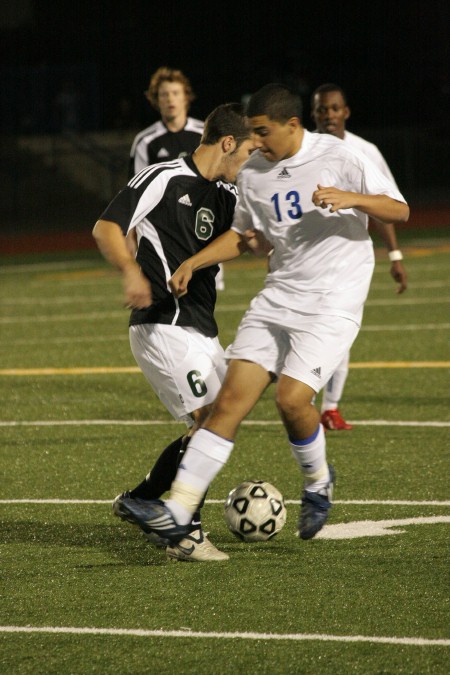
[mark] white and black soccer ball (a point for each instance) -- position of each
(255, 511)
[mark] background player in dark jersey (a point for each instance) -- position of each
(175, 209)
(175, 134)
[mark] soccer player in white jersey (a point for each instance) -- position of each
(330, 112)
(175, 209)
(309, 197)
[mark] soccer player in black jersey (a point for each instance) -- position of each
(172, 210)
(175, 134)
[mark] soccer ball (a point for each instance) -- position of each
(255, 511)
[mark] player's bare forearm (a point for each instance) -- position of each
(387, 233)
(226, 247)
(114, 248)
(380, 207)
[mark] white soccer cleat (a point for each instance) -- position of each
(195, 547)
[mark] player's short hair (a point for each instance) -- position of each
(165, 74)
(276, 101)
(226, 120)
(325, 89)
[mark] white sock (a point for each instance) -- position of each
(332, 392)
(205, 456)
(310, 455)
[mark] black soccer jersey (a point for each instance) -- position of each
(176, 212)
(158, 144)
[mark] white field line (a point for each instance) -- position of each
(109, 297)
(82, 263)
(124, 336)
(296, 502)
(248, 423)
(217, 635)
(86, 316)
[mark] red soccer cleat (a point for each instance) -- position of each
(332, 420)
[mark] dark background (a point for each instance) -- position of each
(391, 57)
(72, 77)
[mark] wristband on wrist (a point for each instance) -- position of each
(395, 255)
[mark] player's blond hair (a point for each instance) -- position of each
(165, 74)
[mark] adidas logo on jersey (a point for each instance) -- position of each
(162, 153)
(316, 372)
(185, 199)
(284, 173)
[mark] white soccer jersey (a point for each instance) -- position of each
(371, 151)
(322, 262)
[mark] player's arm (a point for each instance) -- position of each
(229, 245)
(379, 207)
(398, 272)
(114, 248)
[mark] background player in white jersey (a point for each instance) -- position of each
(175, 134)
(330, 112)
(176, 208)
(309, 197)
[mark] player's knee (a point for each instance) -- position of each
(292, 403)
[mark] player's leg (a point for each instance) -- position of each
(317, 346)
(168, 357)
(253, 356)
(332, 393)
(211, 446)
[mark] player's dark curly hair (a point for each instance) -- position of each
(165, 74)
(276, 101)
(226, 120)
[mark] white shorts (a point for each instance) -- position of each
(184, 367)
(306, 347)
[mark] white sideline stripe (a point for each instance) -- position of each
(374, 328)
(108, 297)
(351, 502)
(58, 318)
(248, 423)
(142, 632)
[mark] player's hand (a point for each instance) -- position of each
(180, 279)
(333, 199)
(398, 273)
(137, 288)
(256, 242)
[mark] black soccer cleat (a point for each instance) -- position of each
(153, 516)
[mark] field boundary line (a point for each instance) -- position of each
(142, 632)
(345, 502)
(246, 423)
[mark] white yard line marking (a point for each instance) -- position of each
(217, 635)
(111, 314)
(375, 328)
(295, 502)
(375, 528)
(232, 292)
(248, 423)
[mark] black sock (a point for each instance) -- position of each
(162, 474)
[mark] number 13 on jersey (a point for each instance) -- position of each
(288, 203)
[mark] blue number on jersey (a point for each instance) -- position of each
(293, 197)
